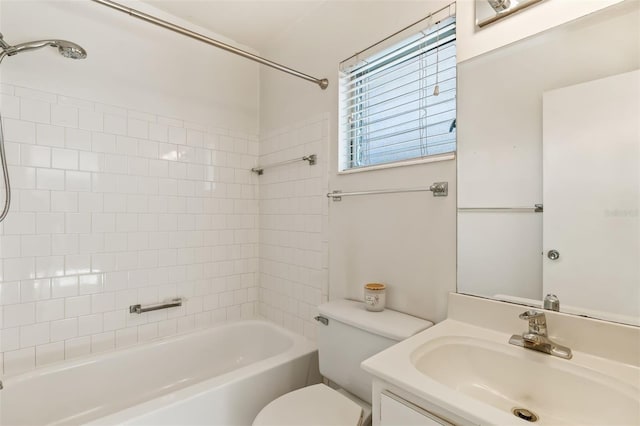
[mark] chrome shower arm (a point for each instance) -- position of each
(32, 45)
(66, 48)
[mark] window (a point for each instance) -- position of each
(389, 110)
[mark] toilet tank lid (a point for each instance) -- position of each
(391, 324)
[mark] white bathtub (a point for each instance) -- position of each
(218, 376)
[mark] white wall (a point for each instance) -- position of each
(131, 62)
(532, 20)
(499, 254)
(131, 184)
(293, 225)
(407, 241)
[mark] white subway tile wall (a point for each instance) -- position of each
(293, 271)
(110, 208)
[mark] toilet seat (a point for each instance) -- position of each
(311, 406)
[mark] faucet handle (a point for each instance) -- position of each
(537, 322)
(531, 315)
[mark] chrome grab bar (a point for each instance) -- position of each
(138, 309)
(310, 158)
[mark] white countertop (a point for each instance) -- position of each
(395, 365)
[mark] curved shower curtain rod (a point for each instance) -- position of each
(323, 83)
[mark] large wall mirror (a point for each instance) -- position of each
(549, 168)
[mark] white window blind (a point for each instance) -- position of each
(389, 111)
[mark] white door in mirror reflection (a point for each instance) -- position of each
(591, 161)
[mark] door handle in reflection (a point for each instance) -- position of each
(553, 254)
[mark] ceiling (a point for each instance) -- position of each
(253, 23)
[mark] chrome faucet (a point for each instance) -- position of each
(551, 302)
(536, 338)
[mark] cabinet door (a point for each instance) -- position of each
(395, 412)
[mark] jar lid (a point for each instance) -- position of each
(375, 286)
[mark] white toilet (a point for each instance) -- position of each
(347, 335)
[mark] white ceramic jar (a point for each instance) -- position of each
(374, 296)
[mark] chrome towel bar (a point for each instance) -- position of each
(310, 158)
(537, 208)
(439, 189)
(139, 309)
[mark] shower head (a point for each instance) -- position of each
(66, 48)
(71, 50)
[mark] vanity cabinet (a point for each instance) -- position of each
(396, 406)
(396, 411)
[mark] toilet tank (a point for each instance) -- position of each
(352, 334)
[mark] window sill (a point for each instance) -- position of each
(432, 159)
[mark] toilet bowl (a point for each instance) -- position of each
(347, 335)
(316, 405)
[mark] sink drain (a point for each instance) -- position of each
(524, 414)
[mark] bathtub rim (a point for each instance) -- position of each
(160, 341)
(129, 415)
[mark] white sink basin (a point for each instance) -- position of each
(506, 377)
(477, 378)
